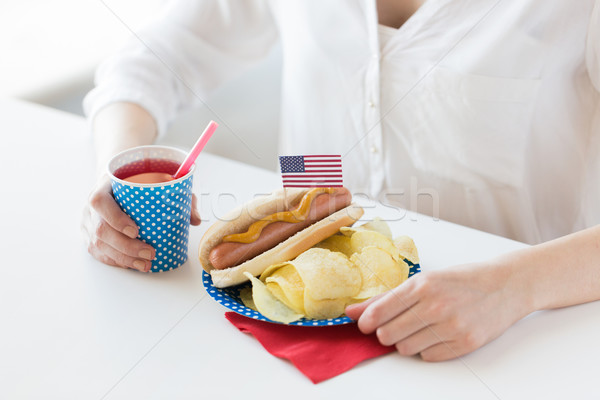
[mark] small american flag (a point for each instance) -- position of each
(311, 171)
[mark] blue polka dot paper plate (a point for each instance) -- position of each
(230, 298)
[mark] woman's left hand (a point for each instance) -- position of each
(447, 313)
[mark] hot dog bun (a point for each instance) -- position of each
(240, 218)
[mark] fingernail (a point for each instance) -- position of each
(139, 264)
(145, 254)
(130, 231)
(196, 213)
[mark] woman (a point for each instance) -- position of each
(491, 105)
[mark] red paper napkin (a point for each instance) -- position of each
(319, 353)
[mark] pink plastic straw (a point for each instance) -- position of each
(184, 168)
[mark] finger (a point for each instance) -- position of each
(442, 352)
(109, 261)
(387, 307)
(124, 244)
(420, 340)
(85, 223)
(354, 311)
(103, 258)
(123, 260)
(105, 205)
(195, 217)
(404, 325)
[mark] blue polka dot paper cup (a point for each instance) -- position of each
(160, 210)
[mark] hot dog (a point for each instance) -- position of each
(229, 254)
(315, 214)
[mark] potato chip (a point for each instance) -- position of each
(380, 272)
(339, 243)
(407, 249)
(324, 309)
(285, 284)
(361, 239)
(327, 274)
(318, 283)
(268, 305)
(376, 225)
(279, 294)
(246, 297)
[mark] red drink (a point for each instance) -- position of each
(152, 170)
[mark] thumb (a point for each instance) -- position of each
(354, 311)
(195, 217)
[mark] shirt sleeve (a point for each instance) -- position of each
(174, 62)
(593, 46)
(591, 193)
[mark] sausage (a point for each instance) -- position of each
(230, 254)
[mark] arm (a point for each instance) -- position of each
(167, 67)
(175, 62)
(120, 126)
(562, 272)
(448, 313)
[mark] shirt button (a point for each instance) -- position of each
(371, 104)
(374, 150)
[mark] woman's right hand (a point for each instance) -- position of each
(111, 235)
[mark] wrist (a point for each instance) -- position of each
(120, 126)
(518, 283)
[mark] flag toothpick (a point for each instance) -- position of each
(307, 171)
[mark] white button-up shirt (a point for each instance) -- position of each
(481, 112)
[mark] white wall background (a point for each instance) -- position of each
(50, 49)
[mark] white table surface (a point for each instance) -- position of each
(73, 328)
